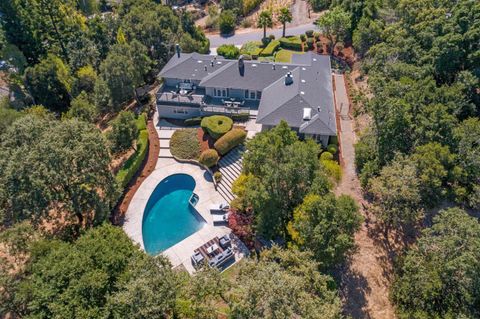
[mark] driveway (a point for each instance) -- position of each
(240, 38)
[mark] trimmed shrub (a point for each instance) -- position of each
(192, 121)
(316, 35)
(333, 169)
(271, 36)
(292, 43)
(230, 140)
(333, 140)
(309, 33)
(217, 176)
(184, 144)
(303, 38)
(256, 53)
(310, 43)
(240, 117)
(247, 57)
(228, 51)
(319, 45)
(209, 158)
(132, 165)
(332, 148)
(271, 48)
(250, 47)
(216, 125)
(326, 156)
(141, 122)
(227, 22)
(266, 41)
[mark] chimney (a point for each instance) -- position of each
(241, 65)
(177, 48)
(288, 78)
(273, 66)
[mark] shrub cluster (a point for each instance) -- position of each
(332, 148)
(184, 144)
(132, 165)
(249, 5)
(292, 43)
(228, 51)
(217, 176)
(192, 121)
(310, 43)
(309, 33)
(216, 125)
(271, 48)
(209, 158)
(141, 122)
(230, 140)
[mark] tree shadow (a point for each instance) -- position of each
(353, 290)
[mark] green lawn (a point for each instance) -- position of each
(184, 144)
(284, 56)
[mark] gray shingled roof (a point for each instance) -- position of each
(311, 88)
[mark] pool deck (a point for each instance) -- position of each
(180, 253)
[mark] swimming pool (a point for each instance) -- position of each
(169, 217)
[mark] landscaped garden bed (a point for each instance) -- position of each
(184, 144)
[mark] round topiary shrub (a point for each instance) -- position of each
(310, 43)
(309, 33)
(216, 125)
(303, 37)
(209, 158)
(217, 176)
(326, 156)
(332, 148)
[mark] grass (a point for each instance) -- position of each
(284, 56)
(184, 144)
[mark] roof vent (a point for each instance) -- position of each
(319, 109)
(205, 68)
(307, 114)
(284, 67)
(177, 49)
(273, 66)
(302, 80)
(241, 65)
(288, 78)
(254, 65)
(302, 93)
(304, 69)
(212, 63)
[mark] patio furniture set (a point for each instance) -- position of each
(220, 213)
(214, 253)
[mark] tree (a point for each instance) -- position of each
(124, 131)
(265, 21)
(50, 82)
(335, 25)
(439, 277)
(124, 70)
(14, 57)
(367, 34)
(100, 275)
(55, 168)
(283, 170)
(7, 115)
(234, 5)
(227, 21)
(396, 194)
(228, 51)
(84, 80)
(325, 225)
(82, 109)
(283, 284)
(284, 16)
(319, 5)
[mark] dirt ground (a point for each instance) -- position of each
(366, 277)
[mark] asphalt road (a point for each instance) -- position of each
(256, 34)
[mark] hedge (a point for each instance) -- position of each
(310, 43)
(326, 156)
(309, 33)
(132, 165)
(209, 158)
(230, 140)
(292, 43)
(141, 122)
(216, 125)
(271, 48)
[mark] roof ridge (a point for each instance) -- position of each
(216, 72)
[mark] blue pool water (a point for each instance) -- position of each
(168, 217)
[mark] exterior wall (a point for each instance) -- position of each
(174, 112)
(209, 91)
(323, 139)
(171, 82)
(237, 93)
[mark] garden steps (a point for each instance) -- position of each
(231, 167)
(165, 153)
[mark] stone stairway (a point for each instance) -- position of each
(231, 167)
(164, 137)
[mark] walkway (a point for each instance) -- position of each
(231, 167)
(364, 282)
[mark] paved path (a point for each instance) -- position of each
(364, 281)
(256, 35)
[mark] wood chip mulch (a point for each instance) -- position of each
(147, 168)
(205, 140)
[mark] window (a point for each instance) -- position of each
(246, 94)
(252, 95)
(220, 92)
(259, 95)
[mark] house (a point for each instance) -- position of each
(300, 92)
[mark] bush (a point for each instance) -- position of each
(310, 43)
(240, 117)
(332, 148)
(184, 144)
(209, 158)
(292, 43)
(266, 41)
(271, 36)
(271, 48)
(228, 51)
(303, 38)
(309, 33)
(250, 47)
(230, 140)
(141, 122)
(192, 121)
(124, 131)
(226, 22)
(217, 176)
(249, 5)
(132, 165)
(332, 168)
(256, 53)
(216, 125)
(316, 35)
(319, 46)
(326, 156)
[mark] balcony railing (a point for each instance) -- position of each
(224, 109)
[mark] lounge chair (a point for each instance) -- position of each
(219, 208)
(220, 218)
(197, 259)
(225, 242)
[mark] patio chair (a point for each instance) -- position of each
(225, 242)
